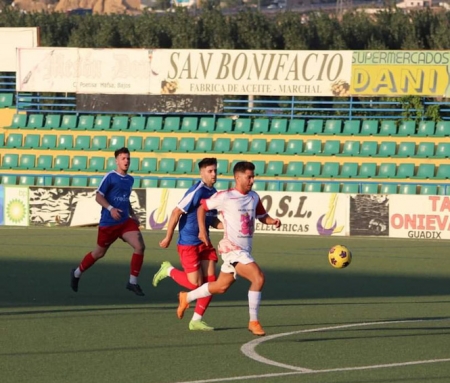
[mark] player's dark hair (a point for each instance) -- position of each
(207, 162)
(120, 151)
(243, 166)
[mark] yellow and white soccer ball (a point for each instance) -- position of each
(339, 256)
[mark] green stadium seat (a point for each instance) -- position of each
(61, 162)
(294, 187)
(442, 129)
(330, 169)
(296, 127)
(84, 142)
(27, 161)
(85, 122)
(350, 188)
(148, 165)
(443, 172)
(44, 180)
(294, 147)
(18, 121)
(367, 170)
(154, 124)
(331, 147)
(224, 125)
(189, 124)
(388, 188)
(276, 146)
(425, 171)
(206, 125)
(166, 165)
(312, 187)
(331, 187)
(136, 183)
(231, 167)
(102, 123)
(274, 168)
(332, 127)
(99, 143)
(242, 125)
(442, 150)
(187, 145)
(203, 145)
(428, 189)
(52, 121)
(222, 145)
(116, 142)
(65, 141)
(44, 162)
(240, 145)
(69, 122)
(168, 144)
(14, 140)
(368, 149)
(149, 182)
(386, 170)
(386, 149)
(426, 128)
(260, 167)
(184, 184)
(274, 186)
(259, 186)
(48, 141)
(222, 166)
(120, 123)
(222, 185)
(110, 164)
(369, 188)
(6, 100)
(138, 123)
(312, 169)
(406, 128)
(369, 128)
(425, 150)
(388, 128)
(134, 166)
(260, 126)
(312, 147)
(134, 143)
(79, 181)
(278, 126)
(294, 169)
(32, 141)
(350, 149)
(167, 183)
(94, 181)
(8, 179)
(351, 128)
(444, 190)
(79, 163)
(407, 189)
(349, 170)
(314, 127)
(61, 181)
(96, 164)
(405, 170)
(258, 146)
(171, 124)
(184, 166)
(406, 150)
(35, 121)
(2, 140)
(151, 144)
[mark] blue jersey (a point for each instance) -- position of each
(188, 226)
(116, 188)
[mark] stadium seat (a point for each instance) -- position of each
(368, 149)
(425, 150)
(388, 188)
(168, 144)
(206, 125)
(48, 141)
(351, 128)
(278, 126)
(110, 164)
(154, 124)
(331, 147)
(425, 171)
(332, 127)
(443, 172)
(407, 189)
(294, 147)
(35, 121)
(386, 149)
(331, 187)
(61, 181)
(184, 166)
(406, 129)
(65, 142)
(102, 123)
(203, 145)
(148, 165)
(171, 124)
(27, 161)
(222, 145)
(388, 128)
(222, 185)
(116, 142)
(367, 170)
(44, 162)
(239, 145)
(312, 169)
(184, 184)
(406, 150)
(258, 146)
(96, 164)
(2, 140)
(99, 143)
(222, 166)
(405, 170)
(274, 168)
(442, 150)
(137, 124)
(120, 123)
(260, 167)
(349, 170)
(84, 142)
(350, 188)
(312, 187)
(85, 122)
(259, 185)
(369, 188)
(350, 149)
(224, 125)
(167, 183)
(134, 166)
(32, 141)
(149, 182)
(69, 122)
(151, 144)
(442, 129)
(166, 165)
(187, 145)
(312, 147)
(276, 146)
(314, 127)
(426, 128)
(369, 128)
(6, 100)
(444, 190)
(61, 162)
(18, 121)
(260, 126)
(52, 121)
(242, 125)
(386, 170)
(189, 124)
(94, 181)
(43, 180)
(8, 179)
(294, 186)
(14, 140)
(134, 143)
(79, 163)
(294, 169)
(428, 189)
(79, 181)
(296, 126)
(330, 169)
(274, 186)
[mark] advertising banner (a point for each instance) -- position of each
(300, 213)
(16, 206)
(10, 40)
(369, 214)
(419, 217)
(400, 73)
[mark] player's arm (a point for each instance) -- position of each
(216, 223)
(268, 220)
(173, 222)
(201, 218)
(101, 200)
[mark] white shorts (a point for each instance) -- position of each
(241, 256)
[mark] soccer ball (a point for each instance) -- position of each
(339, 256)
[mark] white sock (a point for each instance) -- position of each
(169, 270)
(77, 273)
(254, 299)
(133, 279)
(197, 316)
(199, 292)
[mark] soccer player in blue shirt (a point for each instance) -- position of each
(197, 259)
(117, 220)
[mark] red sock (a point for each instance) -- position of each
(203, 303)
(136, 264)
(181, 278)
(87, 262)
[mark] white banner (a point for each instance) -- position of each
(184, 71)
(10, 40)
(301, 213)
(16, 209)
(421, 217)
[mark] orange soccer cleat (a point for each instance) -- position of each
(183, 304)
(255, 328)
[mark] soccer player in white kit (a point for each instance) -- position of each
(239, 207)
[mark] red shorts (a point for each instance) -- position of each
(108, 234)
(192, 255)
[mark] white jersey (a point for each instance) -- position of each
(239, 212)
